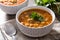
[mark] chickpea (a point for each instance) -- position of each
(27, 24)
(31, 25)
(22, 22)
(36, 25)
(39, 27)
(27, 16)
(30, 19)
(25, 13)
(42, 22)
(46, 19)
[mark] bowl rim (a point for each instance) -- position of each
(19, 12)
(15, 5)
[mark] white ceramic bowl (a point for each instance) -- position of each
(35, 32)
(13, 9)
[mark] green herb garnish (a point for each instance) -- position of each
(44, 2)
(35, 16)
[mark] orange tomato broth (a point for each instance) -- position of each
(25, 19)
(6, 3)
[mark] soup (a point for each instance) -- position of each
(11, 2)
(35, 18)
